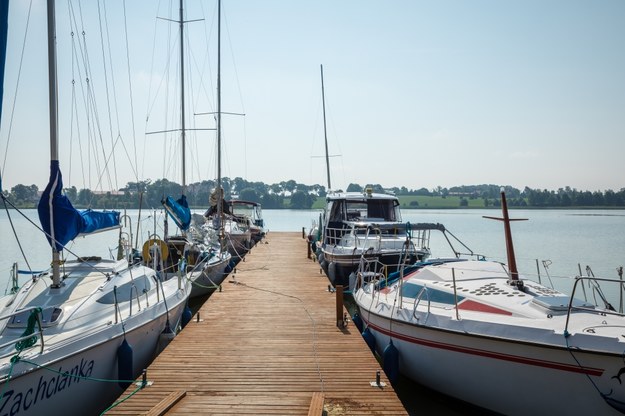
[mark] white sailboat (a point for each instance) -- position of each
(73, 337)
(480, 332)
(203, 262)
(238, 238)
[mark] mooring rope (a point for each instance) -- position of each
(15, 359)
(312, 320)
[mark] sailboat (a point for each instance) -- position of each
(237, 236)
(358, 226)
(481, 332)
(68, 330)
(202, 261)
(249, 213)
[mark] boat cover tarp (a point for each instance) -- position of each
(61, 221)
(179, 211)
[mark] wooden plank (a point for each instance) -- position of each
(316, 404)
(167, 403)
(265, 344)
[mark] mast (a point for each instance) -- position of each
(219, 196)
(182, 109)
(514, 273)
(54, 131)
(325, 133)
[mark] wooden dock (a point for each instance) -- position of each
(267, 344)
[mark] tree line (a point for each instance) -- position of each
(293, 195)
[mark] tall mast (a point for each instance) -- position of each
(54, 131)
(325, 133)
(182, 117)
(219, 197)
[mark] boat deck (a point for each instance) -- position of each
(267, 344)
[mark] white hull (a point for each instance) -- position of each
(84, 343)
(498, 347)
(211, 277)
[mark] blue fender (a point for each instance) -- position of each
(390, 362)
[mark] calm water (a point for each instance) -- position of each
(564, 238)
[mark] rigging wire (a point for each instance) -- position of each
(106, 47)
(134, 166)
(19, 76)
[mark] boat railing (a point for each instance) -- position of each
(377, 235)
(134, 289)
(594, 283)
(417, 301)
(334, 231)
(28, 337)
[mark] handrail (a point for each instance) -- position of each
(39, 333)
(607, 309)
(417, 300)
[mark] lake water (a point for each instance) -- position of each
(567, 239)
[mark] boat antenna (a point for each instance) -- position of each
(325, 132)
(514, 274)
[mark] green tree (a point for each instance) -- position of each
(249, 194)
(301, 200)
(354, 187)
(24, 195)
(71, 193)
(272, 201)
(85, 197)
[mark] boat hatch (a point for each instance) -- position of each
(411, 290)
(559, 303)
(49, 317)
(127, 291)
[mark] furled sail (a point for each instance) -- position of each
(61, 221)
(179, 211)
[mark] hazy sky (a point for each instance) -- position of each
(418, 93)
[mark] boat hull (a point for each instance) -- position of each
(211, 277)
(55, 385)
(504, 376)
(339, 265)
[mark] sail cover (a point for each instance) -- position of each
(61, 221)
(179, 211)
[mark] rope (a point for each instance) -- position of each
(569, 349)
(30, 329)
(312, 320)
(17, 359)
(5, 201)
(117, 403)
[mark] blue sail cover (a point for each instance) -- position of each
(179, 211)
(61, 221)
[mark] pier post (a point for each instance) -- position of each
(339, 307)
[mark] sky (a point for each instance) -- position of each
(418, 94)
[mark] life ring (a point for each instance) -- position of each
(148, 245)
